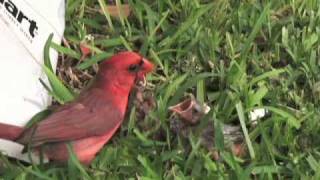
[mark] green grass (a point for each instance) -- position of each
(235, 56)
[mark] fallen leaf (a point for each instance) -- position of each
(114, 11)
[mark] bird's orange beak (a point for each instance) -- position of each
(147, 66)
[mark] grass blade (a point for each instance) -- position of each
(244, 129)
(94, 60)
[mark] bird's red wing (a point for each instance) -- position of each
(91, 115)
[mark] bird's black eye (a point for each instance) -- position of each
(134, 68)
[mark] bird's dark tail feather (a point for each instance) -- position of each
(10, 132)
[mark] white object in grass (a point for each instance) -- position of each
(256, 114)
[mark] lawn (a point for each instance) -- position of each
(234, 56)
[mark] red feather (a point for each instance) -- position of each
(93, 114)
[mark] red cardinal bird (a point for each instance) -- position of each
(89, 121)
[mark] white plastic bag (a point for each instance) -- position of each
(25, 25)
